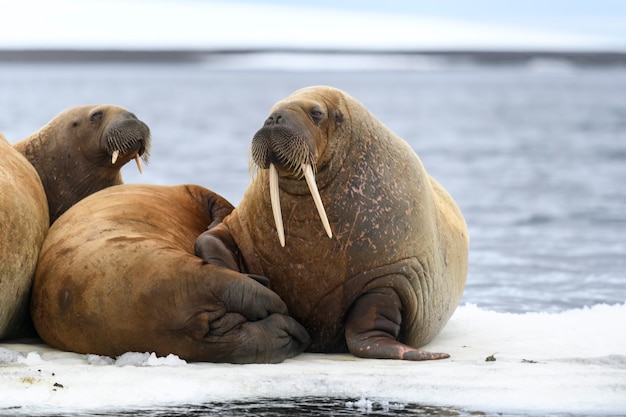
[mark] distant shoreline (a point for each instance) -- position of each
(595, 58)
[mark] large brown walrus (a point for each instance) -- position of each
(23, 227)
(385, 268)
(82, 150)
(117, 273)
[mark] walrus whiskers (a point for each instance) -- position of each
(121, 142)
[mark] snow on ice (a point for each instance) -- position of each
(568, 362)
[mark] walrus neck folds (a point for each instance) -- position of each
(31, 146)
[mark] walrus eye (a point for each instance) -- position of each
(96, 116)
(316, 115)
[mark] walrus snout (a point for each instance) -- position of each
(278, 145)
(285, 141)
(283, 147)
(128, 136)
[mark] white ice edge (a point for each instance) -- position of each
(574, 361)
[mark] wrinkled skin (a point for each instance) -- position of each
(23, 227)
(73, 152)
(394, 270)
(117, 273)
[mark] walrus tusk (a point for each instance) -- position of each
(114, 156)
(275, 200)
(310, 180)
(138, 161)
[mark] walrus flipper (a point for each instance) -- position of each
(216, 246)
(373, 327)
(246, 320)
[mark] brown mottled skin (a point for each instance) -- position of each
(72, 153)
(394, 271)
(117, 273)
(23, 227)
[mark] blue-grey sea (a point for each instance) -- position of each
(533, 153)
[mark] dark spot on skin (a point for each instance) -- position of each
(125, 239)
(65, 251)
(338, 118)
(65, 299)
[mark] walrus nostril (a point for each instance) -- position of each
(274, 119)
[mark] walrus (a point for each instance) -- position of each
(117, 273)
(371, 252)
(23, 226)
(82, 150)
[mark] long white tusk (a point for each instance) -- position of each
(310, 180)
(275, 199)
(138, 161)
(114, 156)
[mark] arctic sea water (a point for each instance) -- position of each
(534, 154)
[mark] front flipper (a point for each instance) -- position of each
(270, 340)
(242, 321)
(216, 246)
(373, 327)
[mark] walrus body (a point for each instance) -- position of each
(394, 270)
(82, 150)
(117, 273)
(23, 227)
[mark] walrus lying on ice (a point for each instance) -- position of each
(117, 273)
(23, 226)
(385, 268)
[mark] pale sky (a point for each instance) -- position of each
(594, 17)
(324, 24)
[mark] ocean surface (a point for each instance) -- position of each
(533, 153)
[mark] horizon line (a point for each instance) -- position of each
(187, 55)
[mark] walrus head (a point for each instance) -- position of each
(123, 136)
(82, 150)
(292, 142)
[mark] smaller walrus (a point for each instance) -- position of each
(82, 150)
(384, 270)
(23, 227)
(117, 273)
